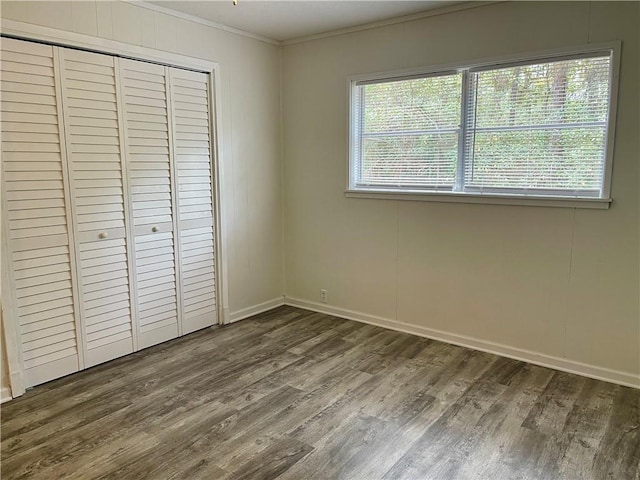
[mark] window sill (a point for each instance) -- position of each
(491, 199)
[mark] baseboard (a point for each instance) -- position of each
(5, 394)
(613, 376)
(224, 312)
(255, 309)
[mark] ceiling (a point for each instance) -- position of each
(286, 20)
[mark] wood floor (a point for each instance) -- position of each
(292, 394)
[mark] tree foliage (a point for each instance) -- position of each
(538, 126)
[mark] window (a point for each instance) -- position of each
(536, 129)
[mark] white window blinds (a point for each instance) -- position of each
(409, 132)
(539, 127)
(532, 128)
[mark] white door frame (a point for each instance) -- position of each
(37, 33)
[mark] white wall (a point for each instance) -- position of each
(560, 282)
(250, 104)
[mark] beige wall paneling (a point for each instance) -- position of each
(559, 286)
(39, 245)
(99, 200)
(144, 89)
(247, 123)
(191, 117)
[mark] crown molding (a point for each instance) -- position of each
(317, 36)
(201, 21)
(390, 21)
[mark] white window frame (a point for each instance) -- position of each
(507, 198)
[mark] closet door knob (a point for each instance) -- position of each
(154, 229)
(103, 235)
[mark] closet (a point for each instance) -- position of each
(107, 200)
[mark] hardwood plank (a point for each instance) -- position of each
(618, 455)
(498, 427)
(293, 394)
(273, 461)
(555, 403)
(328, 458)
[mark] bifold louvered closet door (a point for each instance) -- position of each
(190, 110)
(98, 199)
(107, 199)
(146, 120)
(37, 219)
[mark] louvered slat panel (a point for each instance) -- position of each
(192, 147)
(146, 121)
(93, 143)
(37, 212)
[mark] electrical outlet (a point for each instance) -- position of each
(323, 295)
